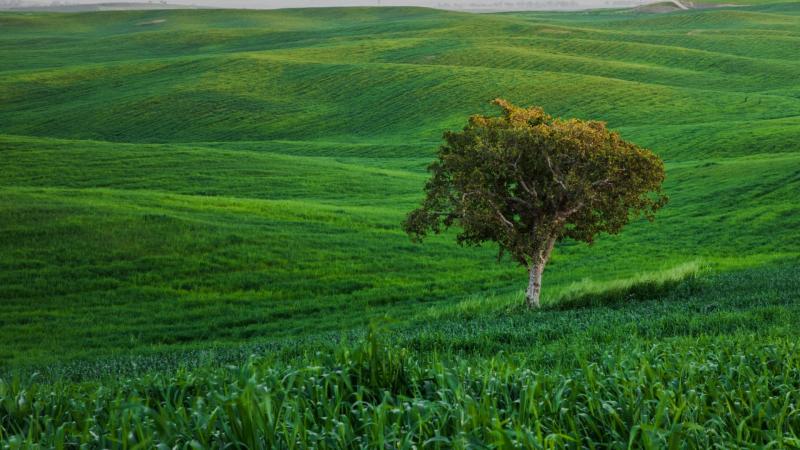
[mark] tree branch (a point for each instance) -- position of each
(556, 175)
(606, 181)
(551, 242)
(522, 202)
(530, 191)
(563, 215)
(500, 214)
(520, 179)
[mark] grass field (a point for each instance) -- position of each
(180, 190)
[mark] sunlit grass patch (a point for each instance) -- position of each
(644, 286)
(584, 293)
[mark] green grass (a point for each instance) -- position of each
(246, 182)
(711, 360)
(714, 362)
(178, 196)
(381, 398)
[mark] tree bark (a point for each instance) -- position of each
(534, 285)
(536, 269)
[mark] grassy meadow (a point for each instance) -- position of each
(200, 209)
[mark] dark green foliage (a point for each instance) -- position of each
(524, 179)
(727, 393)
(527, 181)
(376, 367)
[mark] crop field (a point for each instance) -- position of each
(200, 237)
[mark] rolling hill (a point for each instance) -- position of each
(186, 186)
(250, 166)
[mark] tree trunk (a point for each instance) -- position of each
(534, 285)
(536, 268)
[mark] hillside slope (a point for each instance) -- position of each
(172, 179)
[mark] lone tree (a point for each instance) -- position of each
(527, 180)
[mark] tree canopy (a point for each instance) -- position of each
(527, 180)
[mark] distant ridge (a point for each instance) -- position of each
(101, 7)
(679, 5)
